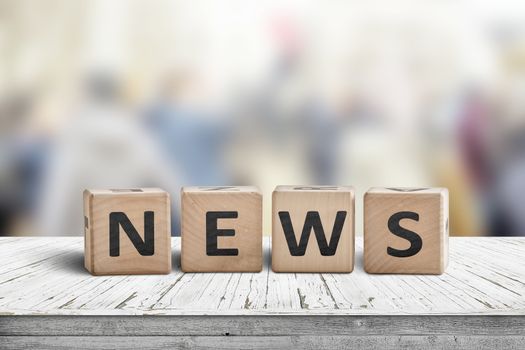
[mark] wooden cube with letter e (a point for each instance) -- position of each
(406, 230)
(221, 229)
(313, 229)
(127, 231)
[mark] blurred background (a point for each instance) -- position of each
(117, 94)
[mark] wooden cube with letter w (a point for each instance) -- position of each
(313, 229)
(127, 231)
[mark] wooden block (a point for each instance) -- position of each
(313, 229)
(406, 230)
(221, 229)
(127, 231)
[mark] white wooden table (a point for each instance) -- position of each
(48, 299)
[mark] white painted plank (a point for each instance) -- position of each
(46, 276)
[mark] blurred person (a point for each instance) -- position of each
(473, 132)
(288, 114)
(508, 186)
(102, 145)
(192, 140)
(322, 132)
(24, 152)
(493, 150)
(474, 129)
(507, 204)
(19, 163)
(452, 157)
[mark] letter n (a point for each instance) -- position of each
(144, 247)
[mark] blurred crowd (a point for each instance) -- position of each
(121, 94)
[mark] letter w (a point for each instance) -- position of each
(312, 221)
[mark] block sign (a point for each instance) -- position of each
(221, 229)
(127, 231)
(313, 229)
(406, 230)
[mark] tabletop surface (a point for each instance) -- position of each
(45, 276)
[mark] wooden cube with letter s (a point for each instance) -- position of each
(313, 229)
(406, 230)
(221, 229)
(127, 231)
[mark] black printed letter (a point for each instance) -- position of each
(415, 240)
(212, 233)
(312, 221)
(144, 247)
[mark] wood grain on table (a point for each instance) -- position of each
(45, 292)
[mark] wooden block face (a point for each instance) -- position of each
(127, 231)
(323, 212)
(406, 230)
(221, 229)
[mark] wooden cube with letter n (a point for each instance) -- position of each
(406, 230)
(221, 229)
(313, 229)
(127, 231)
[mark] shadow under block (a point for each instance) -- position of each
(221, 229)
(313, 229)
(127, 231)
(406, 230)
